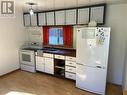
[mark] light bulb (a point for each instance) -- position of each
(31, 11)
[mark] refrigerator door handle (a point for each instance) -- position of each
(99, 67)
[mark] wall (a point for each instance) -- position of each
(12, 36)
(34, 34)
(125, 65)
(116, 20)
(124, 85)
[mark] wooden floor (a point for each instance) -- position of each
(124, 92)
(24, 83)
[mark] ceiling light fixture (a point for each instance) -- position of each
(31, 10)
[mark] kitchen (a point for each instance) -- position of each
(14, 40)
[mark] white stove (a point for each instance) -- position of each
(27, 55)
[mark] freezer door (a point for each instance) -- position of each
(91, 79)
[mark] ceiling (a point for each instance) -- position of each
(58, 4)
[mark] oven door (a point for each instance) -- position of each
(27, 57)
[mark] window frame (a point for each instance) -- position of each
(46, 44)
(58, 37)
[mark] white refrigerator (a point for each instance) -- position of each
(92, 58)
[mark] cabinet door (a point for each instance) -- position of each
(26, 20)
(60, 17)
(40, 65)
(71, 17)
(49, 65)
(34, 20)
(97, 14)
(83, 16)
(41, 19)
(50, 18)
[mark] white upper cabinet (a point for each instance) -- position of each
(34, 20)
(30, 20)
(97, 14)
(50, 18)
(26, 19)
(75, 16)
(60, 17)
(70, 17)
(41, 19)
(83, 16)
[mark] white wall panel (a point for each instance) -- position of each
(12, 36)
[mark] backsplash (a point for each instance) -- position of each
(35, 34)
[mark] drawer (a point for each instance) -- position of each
(70, 76)
(70, 63)
(60, 57)
(70, 69)
(71, 58)
(48, 55)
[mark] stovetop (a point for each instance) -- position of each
(33, 49)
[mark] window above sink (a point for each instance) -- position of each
(58, 36)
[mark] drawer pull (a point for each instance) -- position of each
(70, 63)
(70, 69)
(70, 76)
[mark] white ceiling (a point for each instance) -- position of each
(58, 4)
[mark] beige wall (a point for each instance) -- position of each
(125, 65)
(125, 71)
(116, 20)
(11, 38)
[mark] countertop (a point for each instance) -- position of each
(65, 52)
(59, 51)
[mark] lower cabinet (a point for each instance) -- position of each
(70, 68)
(40, 64)
(44, 64)
(57, 65)
(49, 65)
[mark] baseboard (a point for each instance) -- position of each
(9, 73)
